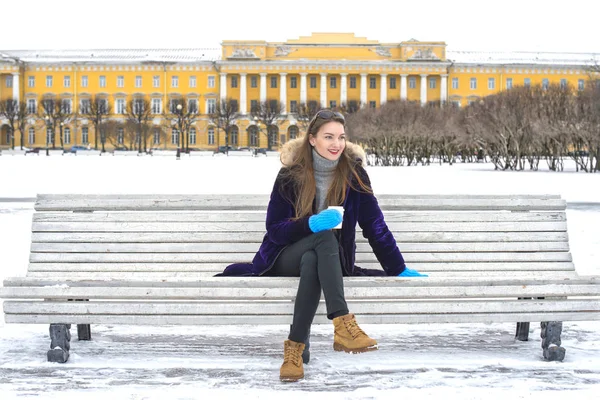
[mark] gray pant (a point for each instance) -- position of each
(316, 260)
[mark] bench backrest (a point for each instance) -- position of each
(192, 236)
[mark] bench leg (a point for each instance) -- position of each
(522, 333)
(84, 332)
(551, 341)
(60, 343)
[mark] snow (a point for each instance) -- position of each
(463, 361)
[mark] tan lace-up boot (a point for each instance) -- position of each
(349, 337)
(292, 368)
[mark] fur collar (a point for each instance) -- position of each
(289, 149)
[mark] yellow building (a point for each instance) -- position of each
(324, 69)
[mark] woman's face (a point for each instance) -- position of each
(330, 140)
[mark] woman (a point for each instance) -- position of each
(319, 170)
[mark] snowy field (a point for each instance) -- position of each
(414, 361)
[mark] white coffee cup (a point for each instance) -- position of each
(341, 210)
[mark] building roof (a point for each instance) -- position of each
(522, 57)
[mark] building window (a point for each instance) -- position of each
(138, 81)
(412, 82)
(102, 81)
(253, 82)
(67, 81)
(193, 106)
(454, 83)
(211, 105)
(580, 84)
(293, 106)
(66, 106)
(84, 106)
(48, 80)
(491, 83)
(509, 83)
(563, 83)
(120, 81)
(333, 82)
(193, 136)
(84, 81)
(373, 104)
(332, 104)
(372, 82)
(293, 82)
(456, 103)
(234, 135)
(120, 106)
(234, 82)
(211, 82)
(211, 135)
(120, 135)
(545, 83)
(31, 81)
(9, 84)
(175, 136)
(293, 131)
(431, 83)
(156, 81)
(253, 136)
(273, 82)
(31, 106)
(473, 83)
(174, 81)
(67, 136)
(156, 106)
(193, 81)
(527, 82)
(352, 82)
(313, 82)
(31, 136)
(85, 139)
(157, 136)
(392, 83)
(48, 136)
(253, 106)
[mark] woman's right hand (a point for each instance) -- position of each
(325, 220)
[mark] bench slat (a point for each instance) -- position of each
(282, 307)
(259, 216)
(256, 237)
(541, 315)
(247, 257)
(281, 293)
(260, 226)
(218, 267)
(250, 247)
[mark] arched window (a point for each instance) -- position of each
(293, 132)
(252, 136)
(234, 135)
(273, 132)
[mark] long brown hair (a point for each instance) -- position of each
(300, 172)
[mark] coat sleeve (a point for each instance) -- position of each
(370, 220)
(282, 229)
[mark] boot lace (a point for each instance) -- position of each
(354, 329)
(292, 355)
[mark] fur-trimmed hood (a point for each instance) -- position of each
(288, 151)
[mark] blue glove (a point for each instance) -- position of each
(325, 220)
(410, 273)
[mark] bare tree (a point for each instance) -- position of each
(224, 116)
(139, 112)
(306, 112)
(96, 109)
(183, 114)
(270, 114)
(9, 110)
(47, 113)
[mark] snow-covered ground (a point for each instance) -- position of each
(414, 361)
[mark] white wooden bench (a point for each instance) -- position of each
(150, 259)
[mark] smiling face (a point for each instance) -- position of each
(330, 140)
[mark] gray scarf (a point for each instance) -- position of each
(324, 169)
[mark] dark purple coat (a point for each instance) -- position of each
(283, 231)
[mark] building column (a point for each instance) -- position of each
(363, 90)
(243, 95)
(383, 95)
(444, 89)
(263, 87)
(344, 89)
(303, 87)
(323, 89)
(15, 87)
(283, 91)
(403, 87)
(423, 89)
(223, 86)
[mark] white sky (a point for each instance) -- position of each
(520, 25)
